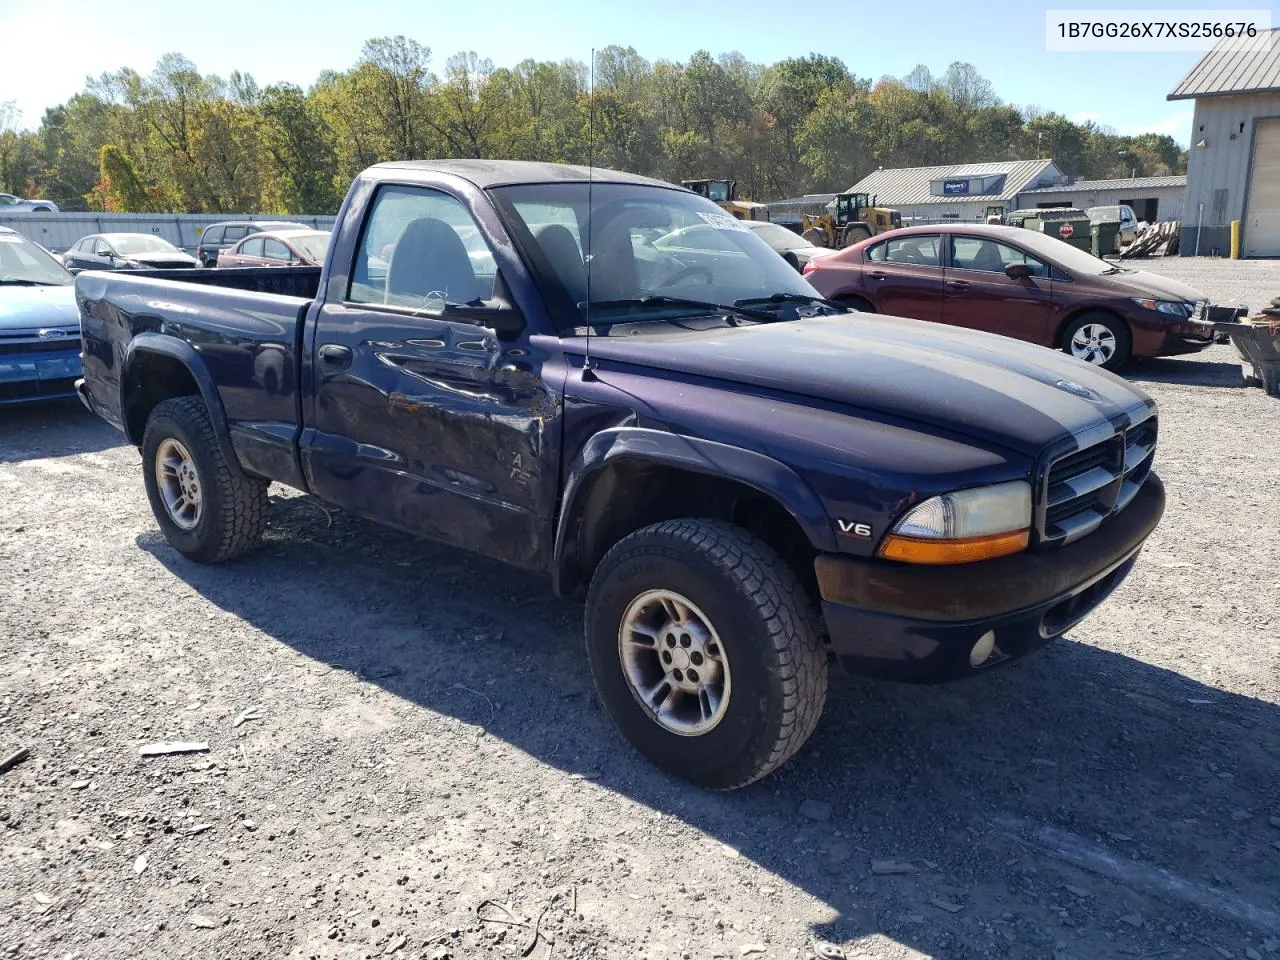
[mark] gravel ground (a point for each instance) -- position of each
(424, 772)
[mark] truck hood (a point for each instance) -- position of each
(22, 307)
(990, 388)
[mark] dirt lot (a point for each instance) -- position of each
(426, 745)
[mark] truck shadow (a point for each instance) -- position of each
(58, 428)
(1188, 372)
(1030, 809)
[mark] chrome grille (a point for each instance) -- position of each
(1084, 487)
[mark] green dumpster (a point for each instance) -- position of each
(1071, 227)
(1105, 235)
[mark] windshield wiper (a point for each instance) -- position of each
(780, 298)
(26, 282)
(655, 300)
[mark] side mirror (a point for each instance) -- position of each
(1017, 271)
(503, 318)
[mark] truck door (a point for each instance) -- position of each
(434, 426)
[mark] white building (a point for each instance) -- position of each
(1153, 198)
(1234, 169)
(957, 191)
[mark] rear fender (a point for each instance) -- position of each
(153, 344)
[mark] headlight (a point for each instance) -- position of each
(1173, 308)
(964, 526)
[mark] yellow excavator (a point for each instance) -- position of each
(724, 194)
(850, 218)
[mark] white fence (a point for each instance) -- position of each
(58, 231)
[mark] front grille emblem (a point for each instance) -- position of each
(50, 333)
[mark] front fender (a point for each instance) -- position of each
(771, 477)
(153, 344)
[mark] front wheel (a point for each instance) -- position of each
(1100, 339)
(206, 508)
(706, 651)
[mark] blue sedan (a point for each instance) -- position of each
(39, 323)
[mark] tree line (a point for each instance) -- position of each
(181, 141)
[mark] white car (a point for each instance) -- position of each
(11, 204)
(1122, 212)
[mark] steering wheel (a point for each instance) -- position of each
(686, 273)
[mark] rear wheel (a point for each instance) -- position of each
(706, 651)
(855, 235)
(1101, 339)
(207, 510)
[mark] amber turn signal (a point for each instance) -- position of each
(921, 550)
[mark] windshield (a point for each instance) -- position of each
(131, 243)
(780, 238)
(1064, 254)
(640, 241)
(314, 245)
(22, 261)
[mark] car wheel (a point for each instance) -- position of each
(706, 651)
(207, 511)
(1101, 339)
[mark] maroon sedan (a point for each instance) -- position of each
(1019, 283)
(277, 248)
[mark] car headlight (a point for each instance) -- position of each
(961, 527)
(1173, 308)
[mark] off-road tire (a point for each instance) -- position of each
(854, 235)
(234, 506)
(767, 626)
(1124, 339)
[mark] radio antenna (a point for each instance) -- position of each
(588, 368)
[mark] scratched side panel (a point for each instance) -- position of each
(444, 432)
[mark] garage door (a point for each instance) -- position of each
(1262, 221)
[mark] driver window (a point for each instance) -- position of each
(421, 248)
(917, 251)
(989, 256)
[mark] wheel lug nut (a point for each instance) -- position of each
(693, 676)
(695, 658)
(666, 657)
(677, 674)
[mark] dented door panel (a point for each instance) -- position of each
(437, 428)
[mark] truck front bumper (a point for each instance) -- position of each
(921, 624)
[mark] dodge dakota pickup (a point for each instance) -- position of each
(741, 480)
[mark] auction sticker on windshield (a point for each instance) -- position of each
(722, 222)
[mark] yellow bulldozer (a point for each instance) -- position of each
(724, 194)
(848, 219)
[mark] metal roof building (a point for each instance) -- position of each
(1234, 168)
(1152, 198)
(958, 191)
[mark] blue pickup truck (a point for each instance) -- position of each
(741, 480)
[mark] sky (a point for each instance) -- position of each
(49, 47)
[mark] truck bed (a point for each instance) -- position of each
(286, 281)
(241, 329)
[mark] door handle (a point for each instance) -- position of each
(958, 284)
(876, 275)
(335, 355)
